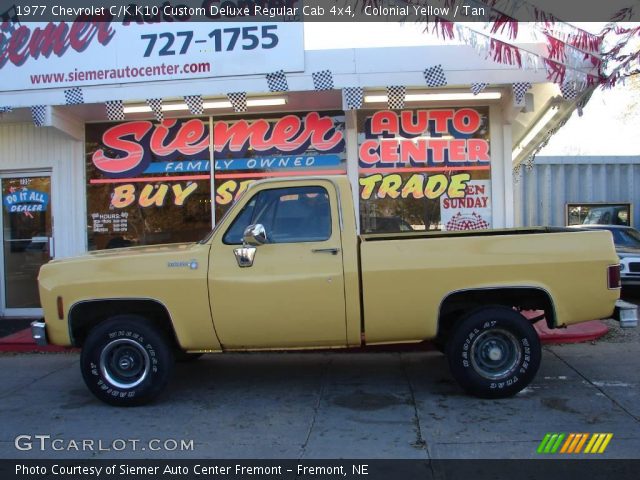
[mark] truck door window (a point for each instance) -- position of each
(297, 214)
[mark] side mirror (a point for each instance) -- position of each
(255, 235)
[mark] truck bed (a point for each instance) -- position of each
(406, 278)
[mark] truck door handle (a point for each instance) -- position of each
(332, 251)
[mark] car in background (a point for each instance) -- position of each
(609, 215)
(627, 242)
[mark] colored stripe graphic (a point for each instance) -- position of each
(598, 443)
(573, 443)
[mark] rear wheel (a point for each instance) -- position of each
(126, 361)
(494, 352)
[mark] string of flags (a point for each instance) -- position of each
(277, 81)
(115, 110)
(155, 104)
(519, 91)
(322, 80)
(39, 115)
(478, 87)
(195, 104)
(435, 77)
(238, 101)
(352, 97)
(73, 96)
(396, 95)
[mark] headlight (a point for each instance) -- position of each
(622, 267)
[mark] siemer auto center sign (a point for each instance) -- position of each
(153, 46)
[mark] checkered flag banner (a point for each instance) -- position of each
(519, 90)
(277, 81)
(323, 80)
(194, 102)
(467, 222)
(352, 97)
(39, 115)
(238, 101)
(156, 106)
(73, 96)
(395, 96)
(115, 110)
(434, 76)
(568, 91)
(477, 88)
(6, 109)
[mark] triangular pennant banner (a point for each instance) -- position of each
(39, 115)
(435, 77)
(568, 91)
(395, 96)
(115, 110)
(323, 80)
(277, 81)
(194, 102)
(156, 106)
(352, 97)
(477, 88)
(519, 91)
(238, 101)
(73, 96)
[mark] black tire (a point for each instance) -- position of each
(126, 361)
(494, 352)
(184, 357)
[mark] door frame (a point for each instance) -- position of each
(20, 312)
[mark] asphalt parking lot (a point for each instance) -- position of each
(326, 405)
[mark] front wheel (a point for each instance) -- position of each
(126, 361)
(494, 352)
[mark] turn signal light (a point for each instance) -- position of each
(60, 308)
(614, 276)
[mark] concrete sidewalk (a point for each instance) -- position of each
(328, 405)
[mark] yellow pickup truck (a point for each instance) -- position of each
(286, 269)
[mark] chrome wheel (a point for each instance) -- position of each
(495, 354)
(124, 363)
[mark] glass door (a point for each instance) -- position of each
(27, 241)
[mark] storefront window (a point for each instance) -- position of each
(147, 182)
(246, 150)
(150, 183)
(424, 170)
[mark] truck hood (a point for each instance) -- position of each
(131, 251)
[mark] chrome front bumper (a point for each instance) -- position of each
(626, 313)
(39, 333)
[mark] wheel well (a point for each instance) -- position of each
(84, 316)
(459, 303)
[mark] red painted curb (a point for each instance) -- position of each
(23, 342)
(581, 332)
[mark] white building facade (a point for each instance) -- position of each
(145, 134)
